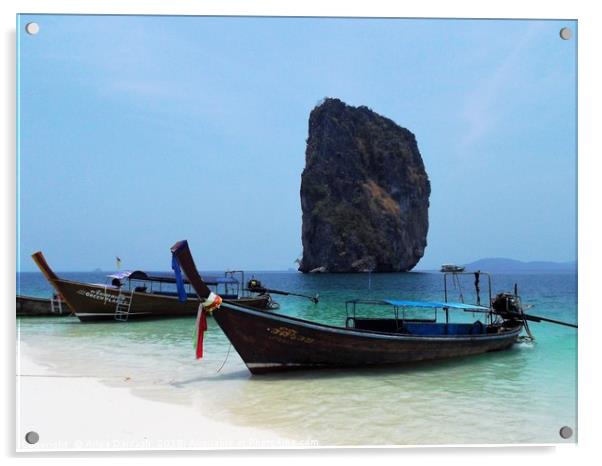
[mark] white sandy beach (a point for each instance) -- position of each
(73, 412)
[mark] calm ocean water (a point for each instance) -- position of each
(524, 395)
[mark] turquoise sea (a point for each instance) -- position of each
(524, 395)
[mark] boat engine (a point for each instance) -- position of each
(255, 285)
(509, 308)
(507, 305)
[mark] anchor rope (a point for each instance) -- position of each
(525, 324)
(224, 363)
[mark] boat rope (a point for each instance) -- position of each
(529, 336)
(224, 363)
(528, 330)
(521, 313)
(271, 304)
(477, 279)
(458, 285)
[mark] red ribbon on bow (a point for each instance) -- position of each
(212, 303)
(200, 331)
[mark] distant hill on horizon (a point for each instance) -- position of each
(501, 265)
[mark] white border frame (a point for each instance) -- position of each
(590, 76)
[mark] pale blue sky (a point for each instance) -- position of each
(136, 132)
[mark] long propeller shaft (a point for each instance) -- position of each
(261, 289)
(533, 318)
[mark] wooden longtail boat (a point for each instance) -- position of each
(31, 306)
(269, 342)
(275, 342)
(134, 295)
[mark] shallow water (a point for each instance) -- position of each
(524, 395)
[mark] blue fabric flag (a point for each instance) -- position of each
(175, 265)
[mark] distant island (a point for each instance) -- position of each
(503, 265)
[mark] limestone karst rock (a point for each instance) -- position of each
(364, 193)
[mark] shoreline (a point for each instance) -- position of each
(76, 412)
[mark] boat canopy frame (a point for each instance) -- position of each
(230, 283)
(400, 306)
(455, 281)
(477, 274)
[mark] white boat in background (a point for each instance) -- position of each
(452, 268)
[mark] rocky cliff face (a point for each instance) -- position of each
(364, 193)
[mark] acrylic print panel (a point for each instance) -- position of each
(368, 151)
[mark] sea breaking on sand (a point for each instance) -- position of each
(82, 413)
